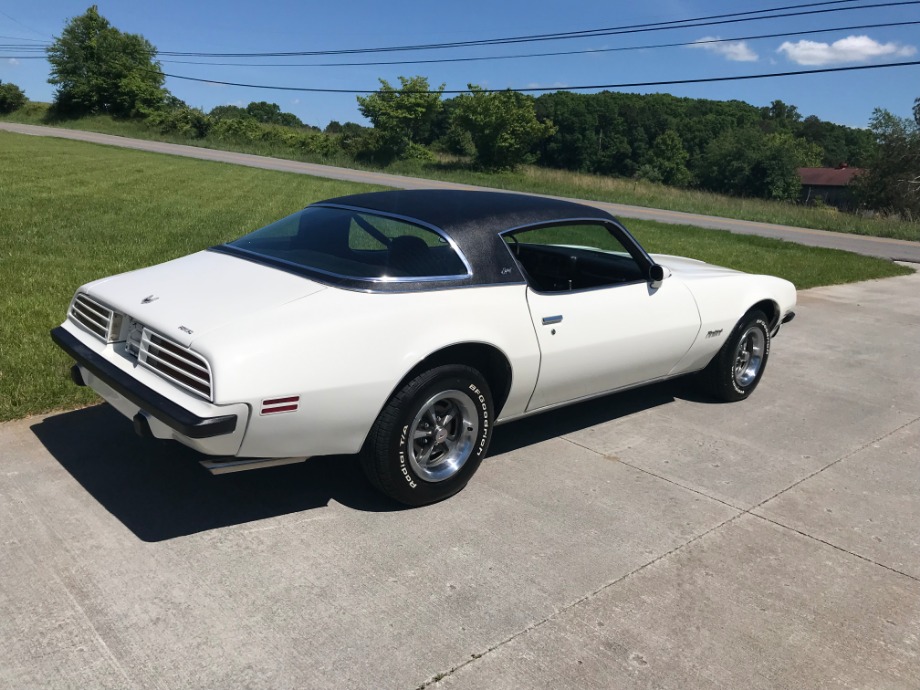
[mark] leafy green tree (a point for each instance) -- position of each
(614, 133)
(503, 125)
(11, 97)
(747, 162)
(779, 116)
(271, 114)
(892, 182)
(228, 112)
(99, 69)
(173, 102)
(290, 120)
(840, 144)
(668, 160)
(400, 116)
(264, 111)
(578, 142)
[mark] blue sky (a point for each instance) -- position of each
(275, 26)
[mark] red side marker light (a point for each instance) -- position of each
(273, 405)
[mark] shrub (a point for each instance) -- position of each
(241, 130)
(185, 121)
(11, 98)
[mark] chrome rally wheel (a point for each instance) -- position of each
(737, 368)
(442, 435)
(749, 356)
(431, 436)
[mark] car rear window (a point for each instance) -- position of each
(356, 244)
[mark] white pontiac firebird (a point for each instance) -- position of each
(404, 326)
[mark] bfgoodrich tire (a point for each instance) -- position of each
(738, 367)
(431, 436)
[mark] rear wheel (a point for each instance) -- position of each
(738, 367)
(431, 436)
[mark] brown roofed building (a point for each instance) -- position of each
(829, 185)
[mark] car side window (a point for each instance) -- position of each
(367, 232)
(356, 244)
(575, 256)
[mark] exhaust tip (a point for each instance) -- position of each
(142, 426)
(76, 376)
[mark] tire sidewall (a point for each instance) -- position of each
(408, 487)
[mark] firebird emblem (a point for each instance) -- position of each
(149, 298)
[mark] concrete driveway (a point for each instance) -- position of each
(650, 539)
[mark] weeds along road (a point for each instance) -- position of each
(900, 250)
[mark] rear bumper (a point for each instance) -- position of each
(182, 421)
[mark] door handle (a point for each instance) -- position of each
(549, 320)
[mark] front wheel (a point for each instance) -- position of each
(431, 436)
(738, 367)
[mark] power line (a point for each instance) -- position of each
(670, 82)
(13, 19)
(713, 20)
(587, 51)
(23, 38)
(483, 58)
(696, 22)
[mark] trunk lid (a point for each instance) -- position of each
(187, 297)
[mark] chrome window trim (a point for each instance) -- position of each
(385, 280)
(631, 244)
(411, 221)
(302, 270)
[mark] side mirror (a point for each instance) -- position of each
(657, 274)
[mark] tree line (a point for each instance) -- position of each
(724, 146)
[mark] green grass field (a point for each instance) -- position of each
(71, 212)
(534, 179)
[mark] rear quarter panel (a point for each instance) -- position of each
(344, 352)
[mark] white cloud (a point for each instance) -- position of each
(295, 101)
(849, 49)
(13, 61)
(736, 51)
(554, 85)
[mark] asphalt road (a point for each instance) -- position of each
(900, 250)
(650, 539)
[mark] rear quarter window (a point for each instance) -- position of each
(356, 244)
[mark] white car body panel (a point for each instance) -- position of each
(268, 333)
(345, 351)
(199, 292)
(720, 293)
(609, 338)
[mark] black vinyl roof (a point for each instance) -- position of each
(473, 220)
(463, 212)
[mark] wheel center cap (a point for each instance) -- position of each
(440, 433)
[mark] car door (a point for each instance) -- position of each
(600, 323)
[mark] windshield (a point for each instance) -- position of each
(356, 244)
